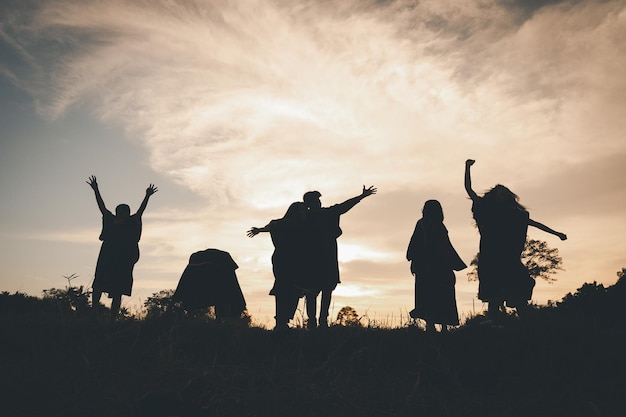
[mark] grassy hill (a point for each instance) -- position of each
(567, 359)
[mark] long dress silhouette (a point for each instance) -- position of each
(119, 252)
(291, 276)
(433, 262)
(323, 263)
(503, 223)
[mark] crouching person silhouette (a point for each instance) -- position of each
(209, 279)
(119, 251)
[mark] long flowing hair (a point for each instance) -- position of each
(295, 211)
(502, 196)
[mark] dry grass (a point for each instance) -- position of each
(557, 363)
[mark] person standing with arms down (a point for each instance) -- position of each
(119, 251)
(324, 266)
(433, 262)
(502, 223)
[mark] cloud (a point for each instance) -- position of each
(251, 104)
(74, 236)
(236, 101)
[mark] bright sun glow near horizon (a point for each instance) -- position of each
(234, 109)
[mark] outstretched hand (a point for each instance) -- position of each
(253, 232)
(151, 189)
(368, 191)
(93, 183)
(469, 162)
(562, 236)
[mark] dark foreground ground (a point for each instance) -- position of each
(565, 361)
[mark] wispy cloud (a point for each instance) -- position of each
(250, 104)
(248, 100)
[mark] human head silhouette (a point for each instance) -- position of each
(502, 195)
(432, 211)
(296, 211)
(122, 211)
(312, 199)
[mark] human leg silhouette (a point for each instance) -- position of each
(116, 303)
(286, 305)
(311, 309)
(430, 326)
(281, 319)
(96, 295)
(324, 307)
(495, 309)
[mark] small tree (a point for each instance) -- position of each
(541, 261)
(597, 304)
(588, 297)
(160, 303)
(348, 317)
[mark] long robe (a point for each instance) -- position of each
(501, 273)
(118, 254)
(324, 230)
(433, 262)
(291, 275)
(289, 256)
(210, 280)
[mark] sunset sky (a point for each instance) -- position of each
(234, 109)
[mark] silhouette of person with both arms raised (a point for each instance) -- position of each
(433, 262)
(289, 236)
(119, 251)
(322, 259)
(502, 223)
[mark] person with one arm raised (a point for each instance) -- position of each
(502, 223)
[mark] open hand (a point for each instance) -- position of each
(368, 191)
(93, 183)
(151, 189)
(252, 232)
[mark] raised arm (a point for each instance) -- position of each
(468, 180)
(348, 204)
(256, 230)
(93, 183)
(546, 229)
(149, 191)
